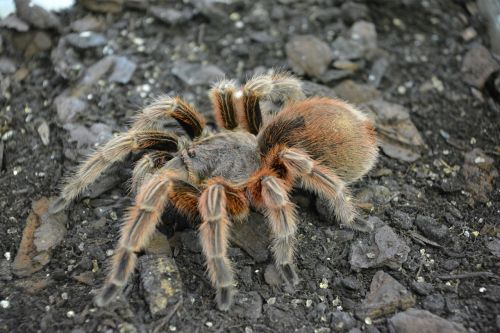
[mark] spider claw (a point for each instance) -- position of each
(106, 295)
(288, 274)
(58, 205)
(224, 298)
(362, 225)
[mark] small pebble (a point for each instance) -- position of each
(7, 255)
(4, 304)
(70, 314)
(209, 324)
(482, 289)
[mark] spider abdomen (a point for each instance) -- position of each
(331, 131)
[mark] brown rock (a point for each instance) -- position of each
(42, 233)
(477, 66)
(36, 16)
(399, 138)
(103, 6)
(162, 283)
(478, 172)
(252, 236)
(308, 55)
(356, 93)
(159, 245)
(386, 296)
(33, 285)
(32, 42)
(88, 23)
(87, 278)
(422, 321)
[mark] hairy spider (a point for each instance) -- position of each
(319, 144)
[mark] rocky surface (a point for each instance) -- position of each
(71, 80)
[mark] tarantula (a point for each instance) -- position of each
(214, 177)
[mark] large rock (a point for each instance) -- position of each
(252, 236)
(36, 16)
(383, 247)
(422, 321)
(308, 55)
(360, 42)
(162, 283)
(478, 65)
(399, 138)
(356, 93)
(43, 232)
(478, 173)
(386, 296)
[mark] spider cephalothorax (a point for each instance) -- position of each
(319, 144)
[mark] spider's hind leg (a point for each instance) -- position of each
(325, 183)
(271, 192)
(278, 87)
(186, 115)
(223, 95)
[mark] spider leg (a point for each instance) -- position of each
(277, 87)
(140, 224)
(146, 166)
(215, 202)
(222, 95)
(323, 181)
(280, 212)
(153, 115)
(115, 150)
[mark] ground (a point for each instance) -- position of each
(442, 205)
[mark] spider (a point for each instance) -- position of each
(214, 177)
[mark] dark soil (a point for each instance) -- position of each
(31, 170)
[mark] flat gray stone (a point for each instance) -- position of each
(86, 39)
(197, 74)
(478, 65)
(123, 70)
(386, 296)
(420, 321)
(399, 138)
(383, 247)
(69, 107)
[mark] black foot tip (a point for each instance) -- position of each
(224, 298)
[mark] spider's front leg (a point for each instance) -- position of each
(140, 224)
(115, 150)
(147, 166)
(217, 202)
(147, 132)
